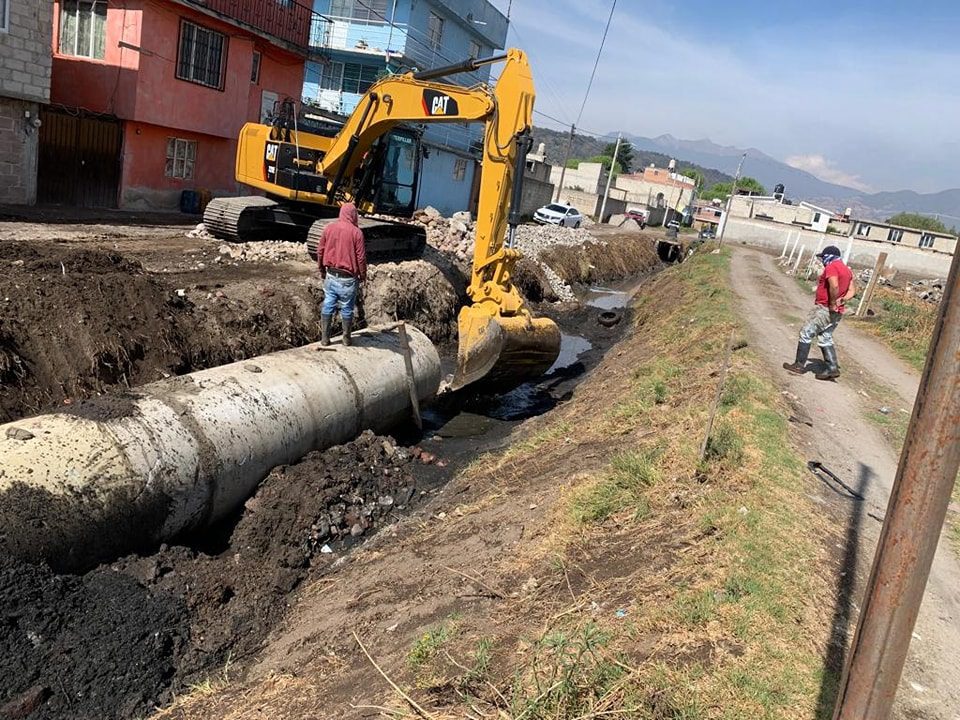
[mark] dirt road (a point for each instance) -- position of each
(831, 422)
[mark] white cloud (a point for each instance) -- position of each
(820, 167)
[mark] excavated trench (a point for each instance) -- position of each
(125, 637)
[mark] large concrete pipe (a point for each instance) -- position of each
(124, 473)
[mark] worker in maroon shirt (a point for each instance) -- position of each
(834, 288)
(342, 259)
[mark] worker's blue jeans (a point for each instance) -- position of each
(339, 292)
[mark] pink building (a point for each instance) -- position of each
(148, 96)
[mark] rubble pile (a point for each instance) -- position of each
(454, 236)
(930, 291)
(262, 251)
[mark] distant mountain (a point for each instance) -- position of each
(588, 146)
(800, 184)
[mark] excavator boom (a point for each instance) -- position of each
(501, 343)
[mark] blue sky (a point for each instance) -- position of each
(862, 93)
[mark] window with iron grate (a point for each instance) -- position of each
(181, 156)
(202, 55)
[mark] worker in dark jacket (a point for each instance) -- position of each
(342, 258)
(834, 288)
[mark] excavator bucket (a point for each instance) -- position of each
(498, 353)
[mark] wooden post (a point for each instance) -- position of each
(871, 286)
(411, 378)
(716, 400)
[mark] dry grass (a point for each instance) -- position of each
(666, 588)
(904, 323)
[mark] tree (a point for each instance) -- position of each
(624, 154)
(694, 175)
(919, 222)
(720, 191)
(605, 160)
(754, 186)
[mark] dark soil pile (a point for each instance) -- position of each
(120, 639)
(74, 323)
(96, 646)
(296, 524)
(427, 293)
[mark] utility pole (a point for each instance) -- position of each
(733, 192)
(613, 164)
(566, 158)
(912, 526)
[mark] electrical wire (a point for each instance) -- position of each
(579, 131)
(596, 62)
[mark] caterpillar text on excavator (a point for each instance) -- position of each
(373, 161)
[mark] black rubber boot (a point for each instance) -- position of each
(832, 371)
(325, 321)
(798, 366)
(347, 327)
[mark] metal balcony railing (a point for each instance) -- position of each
(285, 20)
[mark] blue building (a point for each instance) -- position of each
(360, 40)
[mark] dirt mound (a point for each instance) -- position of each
(95, 646)
(75, 323)
(78, 321)
(611, 259)
(427, 293)
(116, 641)
(236, 588)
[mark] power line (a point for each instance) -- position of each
(596, 62)
(581, 131)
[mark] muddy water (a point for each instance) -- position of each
(606, 299)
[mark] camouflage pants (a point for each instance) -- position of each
(820, 324)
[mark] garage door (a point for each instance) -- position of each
(79, 160)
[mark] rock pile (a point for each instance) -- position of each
(930, 291)
(200, 231)
(454, 236)
(263, 251)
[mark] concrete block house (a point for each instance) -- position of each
(24, 85)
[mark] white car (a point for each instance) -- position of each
(557, 214)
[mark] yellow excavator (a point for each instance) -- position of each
(307, 177)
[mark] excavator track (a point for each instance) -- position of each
(384, 239)
(236, 219)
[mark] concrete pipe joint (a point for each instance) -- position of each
(120, 474)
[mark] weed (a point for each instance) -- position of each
(725, 445)
(659, 392)
(695, 609)
(566, 675)
(904, 323)
(428, 645)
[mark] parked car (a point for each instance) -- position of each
(640, 216)
(558, 214)
(707, 233)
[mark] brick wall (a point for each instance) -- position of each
(25, 62)
(18, 153)
(25, 53)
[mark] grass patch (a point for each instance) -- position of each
(750, 579)
(629, 475)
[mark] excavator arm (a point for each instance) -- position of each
(501, 343)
